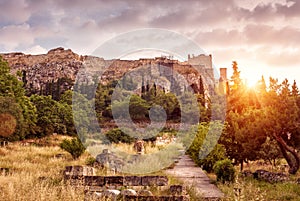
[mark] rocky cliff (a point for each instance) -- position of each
(58, 69)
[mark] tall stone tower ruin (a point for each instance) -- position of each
(203, 64)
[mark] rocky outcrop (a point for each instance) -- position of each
(57, 70)
(40, 73)
(271, 177)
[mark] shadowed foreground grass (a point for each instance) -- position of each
(36, 174)
(252, 189)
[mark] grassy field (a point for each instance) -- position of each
(244, 189)
(251, 189)
(36, 169)
(159, 157)
(36, 174)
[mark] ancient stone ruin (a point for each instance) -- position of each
(139, 146)
(121, 187)
(109, 160)
(271, 177)
(57, 70)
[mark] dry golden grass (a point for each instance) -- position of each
(159, 157)
(36, 174)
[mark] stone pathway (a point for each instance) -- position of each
(192, 175)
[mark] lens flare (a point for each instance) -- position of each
(8, 124)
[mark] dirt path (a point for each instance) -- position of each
(192, 175)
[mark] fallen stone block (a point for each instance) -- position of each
(156, 198)
(128, 192)
(145, 192)
(111, 194)
(270, 177)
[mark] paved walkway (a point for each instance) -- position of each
(192, 175)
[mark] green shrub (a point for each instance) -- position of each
(207, 144)
(74, 147)
(116, 135)
(217, 154)
(90, 161)
(224, 171)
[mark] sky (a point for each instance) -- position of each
(262, 36)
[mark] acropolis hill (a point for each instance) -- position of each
(61, 66)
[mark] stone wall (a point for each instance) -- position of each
(121, 187)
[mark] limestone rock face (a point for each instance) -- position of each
(57, 70)
(40, 70)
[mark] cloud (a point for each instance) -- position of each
(36, 50)
(266, 31)
(13, 11)
(16, 35)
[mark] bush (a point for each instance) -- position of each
(198, 147)
(116, 136)
(224, 171)
(90, 161)
(74, 147)
(217, 154)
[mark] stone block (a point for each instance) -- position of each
(128, 192)
(132, 181)
(155, 198)
(111, 194)
(176, 189)
(162, 181)
(79, 170)
(114, 180)
(94, 181)
(74, 180)
(145, 192)
(149, 180)
(155, 181)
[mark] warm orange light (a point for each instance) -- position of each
(8, 124)
(251, 81)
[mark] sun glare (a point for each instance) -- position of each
(251, 82)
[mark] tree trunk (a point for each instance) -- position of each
(294, 165)
(242, 165)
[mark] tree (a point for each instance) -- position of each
(242, 135)
(116, 136)
(235, 78)
(295, 90)
(47, 114)
(11, 121)
(201, 92)
(281, 120)
(12, 89)
(138, 108)
(270, 151)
